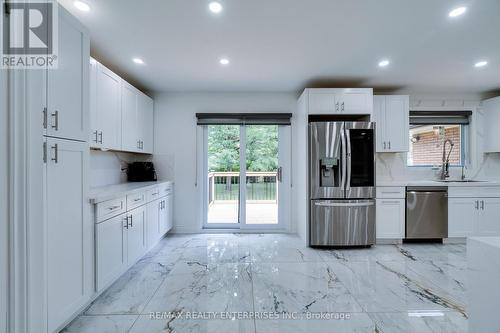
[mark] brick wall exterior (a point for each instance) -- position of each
(429, 149)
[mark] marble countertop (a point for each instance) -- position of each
(108, 192)
(403, 183)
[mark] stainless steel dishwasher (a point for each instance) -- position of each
(426, 212)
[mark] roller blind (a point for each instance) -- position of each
(439, 117)
(244, 118)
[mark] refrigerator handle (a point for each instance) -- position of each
(348, 158)
(343, 148)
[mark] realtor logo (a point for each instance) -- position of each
(29, 34)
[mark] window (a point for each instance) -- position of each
(429, 131)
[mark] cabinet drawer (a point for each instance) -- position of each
(135, 200)
(107, 209)
(153, 194)
(474, 192)
(392, 192)
(165, 189)
(490, 192)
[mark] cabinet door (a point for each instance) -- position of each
(130, 141)
(108, 108)
(111, 255)
(379, 118)
(136, 236)
(488, 223)
(146, 123)
(68, 85)
(94, 126)
(69, 230)
(390, 218)
(462, 216)
(163, 216)
(153, 223)
(397, 115)
(356, 101)
(169, 205)
(322, 101)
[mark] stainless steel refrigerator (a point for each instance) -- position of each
(341, 183)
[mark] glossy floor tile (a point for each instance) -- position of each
(274, 283)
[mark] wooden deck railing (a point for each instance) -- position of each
(226, 185)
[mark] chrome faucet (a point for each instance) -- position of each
(445, 169)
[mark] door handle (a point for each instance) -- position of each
(349, 164)
(44, 117)
(279, 174)
(342, 139)
(344, 204)
(56, 153)
(56, 120)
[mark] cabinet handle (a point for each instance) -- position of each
(477, 204)
(482, 204)
(44, 117)
(138, 199)
(56, 157)
(153, 194)
(390, 202)
(337, 106)
(95, 133)
(114, 207)
(56, 120)
(100, 137)
(126, 222)
(389, 144)
(385, 146)
(131, 221)
(342, 106)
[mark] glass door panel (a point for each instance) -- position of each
(261, 174)
(223, 197)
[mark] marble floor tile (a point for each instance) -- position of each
(377, 252)
(420, 321)
(130, 293)
(390, 286)
(439, 252)
(300, 287)
(101, 324)
(224, 287)
(146, 324)
(354, 322)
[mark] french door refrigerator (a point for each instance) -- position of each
(341, 183)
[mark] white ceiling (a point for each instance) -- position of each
(286, 45)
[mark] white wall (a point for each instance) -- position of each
(175, 140)
(106, 166)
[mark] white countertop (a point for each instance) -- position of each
(403, 183)
(108, 192)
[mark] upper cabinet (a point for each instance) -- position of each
(340, 101)
(491, 109)
(105, 109)
(121, 116)
(66, 107)
(391, 113)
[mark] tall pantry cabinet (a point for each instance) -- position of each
(68, 229)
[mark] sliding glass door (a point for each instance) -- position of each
(246, 176)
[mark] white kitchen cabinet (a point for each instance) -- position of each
(488, 223)
(69, 233)
(169, 206)
(67, 104)
(106, 117)
(491, 120)
(153, 223)
(111, 255)
(391, 114)
(136, 235)
(390, 218)
(340, 101)
(462, 215)
(137, 120)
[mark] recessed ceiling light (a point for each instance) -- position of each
(224, 61)
(384, 63)
(457, 11)
(138, 61)
(215, 7)
(481, 63)
(83, 6)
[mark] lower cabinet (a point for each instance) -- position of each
(473, 217)
(390, 218)
(120, 242)
(153, 223)
(169, 206)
